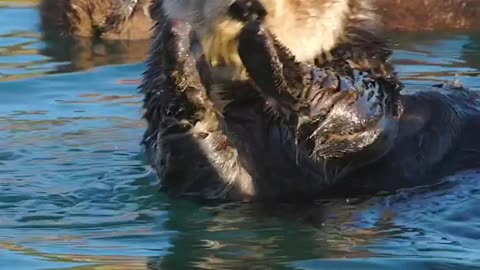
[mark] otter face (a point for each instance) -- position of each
(332, 116)
(247, 10)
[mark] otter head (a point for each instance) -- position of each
(343, 117)
(218, 24)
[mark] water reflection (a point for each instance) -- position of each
(246, 236)
(471, 51)
(86, 54)
(377, 233)
(74, 188)
(438, 56)
(406, 229)
(25, 53)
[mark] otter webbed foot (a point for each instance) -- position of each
(247, 10)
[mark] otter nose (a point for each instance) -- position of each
(247, 10)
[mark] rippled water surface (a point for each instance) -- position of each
(76, 193)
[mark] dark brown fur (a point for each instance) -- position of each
(264, 145)
(202, 150)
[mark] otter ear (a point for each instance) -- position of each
(271, 67)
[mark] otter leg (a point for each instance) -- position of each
(272, 69)
(185, 140)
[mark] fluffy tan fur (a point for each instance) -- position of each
(106, 19)
(308, 28)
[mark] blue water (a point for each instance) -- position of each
(76, 192)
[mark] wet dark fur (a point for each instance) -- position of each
(106, 19)
(244, 152)
(438, 136)
(365, 48)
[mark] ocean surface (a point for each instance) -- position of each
(76, 192)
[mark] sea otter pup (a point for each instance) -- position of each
(105, 19)
(322, 133)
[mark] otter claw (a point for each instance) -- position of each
(247, 10)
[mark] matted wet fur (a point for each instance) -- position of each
(298, 131)
(105, 19)
(293, 130)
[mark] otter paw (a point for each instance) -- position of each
(247, 10)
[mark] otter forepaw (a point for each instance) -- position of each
(247, 10)
(277, 76)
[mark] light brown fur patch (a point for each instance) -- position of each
(107, 19)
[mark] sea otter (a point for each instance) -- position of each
(106, 19)
(294, 130)
(321, 134)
